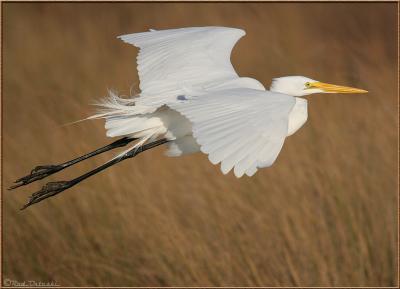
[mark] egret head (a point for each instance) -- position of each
(301, 86)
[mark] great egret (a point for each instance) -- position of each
(192, 98)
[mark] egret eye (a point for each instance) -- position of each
(308, 85)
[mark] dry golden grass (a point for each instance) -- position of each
(324, 215)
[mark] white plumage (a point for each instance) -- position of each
(193, 100)
(233, 126)
(191, 95)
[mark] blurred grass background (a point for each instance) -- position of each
(324, 215)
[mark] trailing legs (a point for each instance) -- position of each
(54, 188)
(41, 172)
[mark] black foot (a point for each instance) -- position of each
(48, 190)
(36, 174)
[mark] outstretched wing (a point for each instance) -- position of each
(175, 61)
(240, 128)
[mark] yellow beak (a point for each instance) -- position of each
(326, 87)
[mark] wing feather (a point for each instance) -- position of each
(222, 139)
(248, 161)
(170, 60)
(251, 170)
(248, 135)
(234, 120)
(220, 153)
(232, 160)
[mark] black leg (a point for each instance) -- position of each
(53, 188)
(41, 172)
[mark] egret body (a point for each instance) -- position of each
(192, 99)
(191, 95)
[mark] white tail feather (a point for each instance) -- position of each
(141, 142)
(125, 118)
(113, 105)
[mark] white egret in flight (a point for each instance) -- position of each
(192, 100)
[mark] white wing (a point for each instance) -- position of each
(242, 128)
(239, 127)
(175, 61)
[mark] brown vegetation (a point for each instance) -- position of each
(325, 214)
